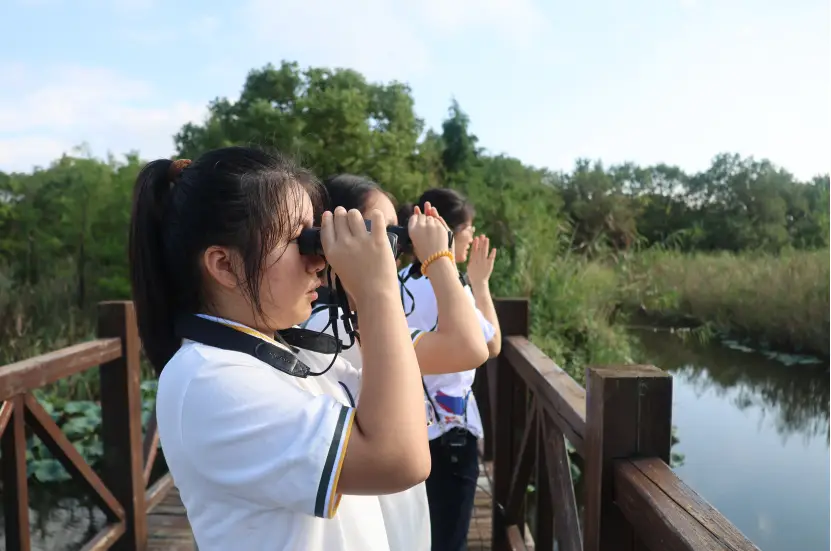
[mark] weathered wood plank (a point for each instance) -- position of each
(26, 375)
(687, 500)
(659, 522)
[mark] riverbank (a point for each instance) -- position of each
(779, 302)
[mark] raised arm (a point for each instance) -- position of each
(479, 269)
(457, 344)
(387, 450)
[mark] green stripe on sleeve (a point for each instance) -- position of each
(329, 465)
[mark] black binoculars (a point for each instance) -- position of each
(309, 240)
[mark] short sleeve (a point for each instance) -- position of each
(416, 334)
(424, 314)
(266, 440)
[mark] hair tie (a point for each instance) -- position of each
(176, 168)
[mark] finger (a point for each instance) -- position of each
(357, 226)
(341, 224)
(416, 211)
(377, 225)
(327, 231)
(492, 256)
(413, 221)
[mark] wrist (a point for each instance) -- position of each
(377, 293)
(440, 265)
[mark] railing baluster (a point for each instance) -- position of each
(121, 422)
(15, 488)
(544, 521)
(561, 485)
(523, 466)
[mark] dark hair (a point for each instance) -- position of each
(404, 212)
(452, 205)
(237, 197)
(350, 191)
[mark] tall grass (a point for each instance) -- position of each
(573, 306)
(35, 319)
(780, 301)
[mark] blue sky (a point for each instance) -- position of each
(676, 81)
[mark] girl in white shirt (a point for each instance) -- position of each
(266, 455)
(458, 345)
(451, 486)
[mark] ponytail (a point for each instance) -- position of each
(150, 280)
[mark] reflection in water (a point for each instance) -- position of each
(755, 436)
(795, 399)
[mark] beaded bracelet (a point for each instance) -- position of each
(432, 257)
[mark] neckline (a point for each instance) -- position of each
(245, 329)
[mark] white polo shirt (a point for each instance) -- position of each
(406, 514)
(451, 393)
(256, 453)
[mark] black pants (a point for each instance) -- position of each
(451, 488)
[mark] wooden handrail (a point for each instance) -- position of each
(33, 373)
(121, 490)
(620, 425)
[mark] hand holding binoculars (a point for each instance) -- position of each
(309, 240)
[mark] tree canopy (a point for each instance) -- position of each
(68, 222)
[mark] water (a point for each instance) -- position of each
(754, 433)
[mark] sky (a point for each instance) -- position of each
(548, 82)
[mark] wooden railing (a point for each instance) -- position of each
(620, 426)
(122, 489)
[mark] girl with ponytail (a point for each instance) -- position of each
(263, 451)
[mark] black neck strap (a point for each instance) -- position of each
(222, 336)
(307, 339)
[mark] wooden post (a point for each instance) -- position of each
(15, 484)
(121, 436)
(508, 408)
(628, 414)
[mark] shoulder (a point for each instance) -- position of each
(201, 376)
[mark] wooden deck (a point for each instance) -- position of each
(169, 530)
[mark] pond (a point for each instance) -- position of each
(753, 429)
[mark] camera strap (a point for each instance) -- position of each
(333, 298)
(240, 339)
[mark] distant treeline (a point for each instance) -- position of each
(64, 227)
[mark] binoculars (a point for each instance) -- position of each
(309, 240)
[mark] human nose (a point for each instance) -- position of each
(314, 263)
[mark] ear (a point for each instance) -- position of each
(220, 263)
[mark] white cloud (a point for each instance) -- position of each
(44, 113)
